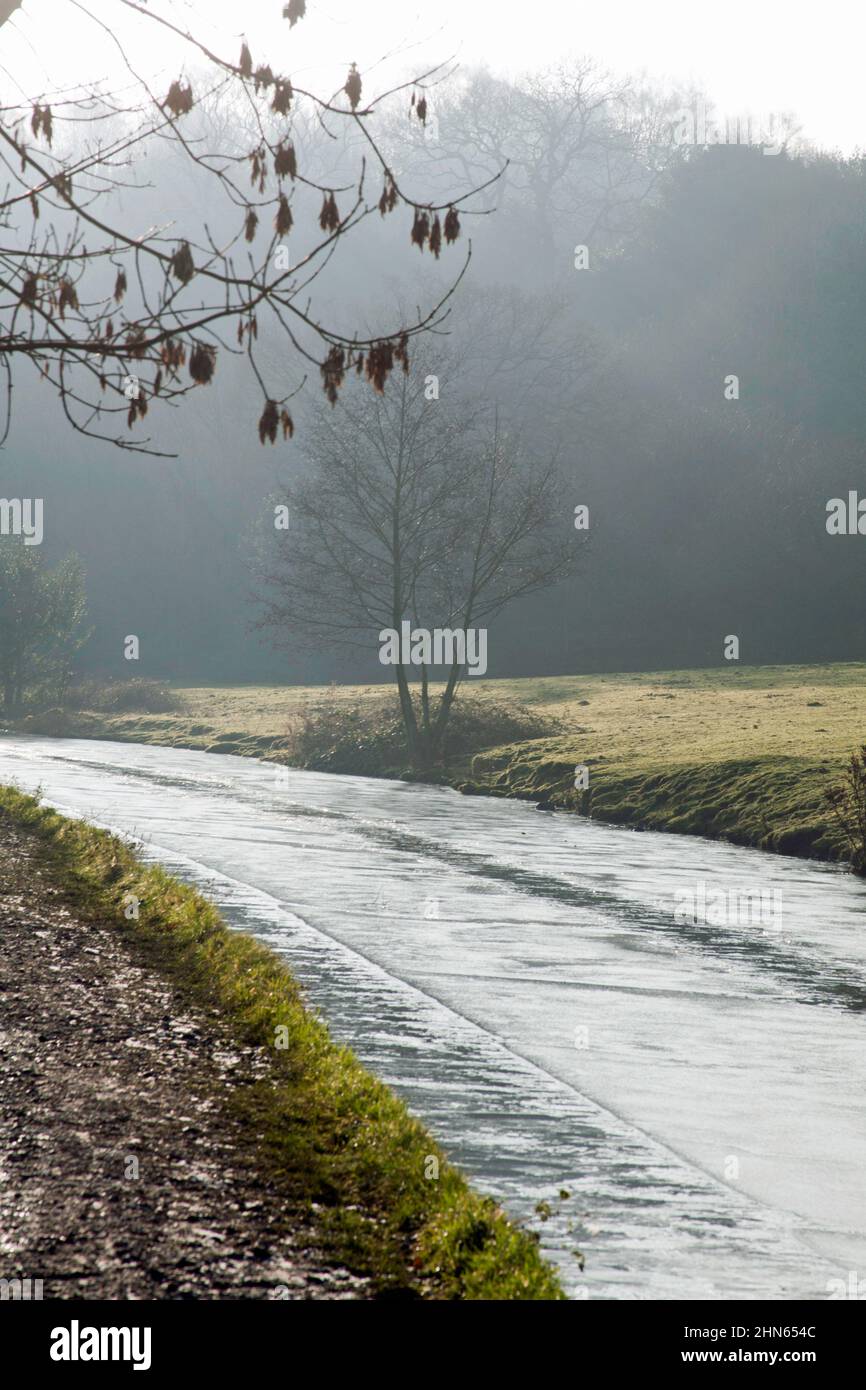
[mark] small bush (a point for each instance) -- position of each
(847, 801)
(367, 737)
(141, 694)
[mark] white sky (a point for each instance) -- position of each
(759, 56)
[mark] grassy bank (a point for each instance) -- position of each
(332, 1138)
(741, 753)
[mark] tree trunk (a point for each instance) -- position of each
(407, 709)
(443, 713)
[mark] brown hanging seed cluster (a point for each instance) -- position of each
(202, 363)
(282, 98)
(294, 10)
(274, 419)
(179, 99)
(353, 87)
(285, 161)
(182, 264)
(173, 356)
(428, 231)
(388, 200)
(67, 298)
(333, 371)
(329, 217)
(258, 159)
(41, 120)
(283, 220)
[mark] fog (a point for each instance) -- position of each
(677, 323)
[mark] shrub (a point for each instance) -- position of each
(141, 694)
(367, 737)
(847, 801)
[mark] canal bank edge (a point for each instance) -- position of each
(769, 802)
(336, 1142)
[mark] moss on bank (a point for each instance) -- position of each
(329, 1133)
(770, 803)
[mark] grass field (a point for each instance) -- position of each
(741, 753)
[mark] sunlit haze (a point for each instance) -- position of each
(763, 59)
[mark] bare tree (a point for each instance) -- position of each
(116, 311)
(413, 510)
(580, 150)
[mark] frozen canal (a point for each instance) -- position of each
(529, 984)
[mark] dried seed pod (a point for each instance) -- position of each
(401, 352)
(283, 220)
(269, 422)
(202, 363)
(353, 86)
(42, 120)
(333, 371)
(294, 10)
(182, 264)
(380, 363)
(179, 99)
(135, 342)
(68, 297)
(282, 98)
(329, 217)
(29, 290)
(63, 184)
(285, 161)
(436, 237)
(420, 228)
(173, 356)
(388, 200)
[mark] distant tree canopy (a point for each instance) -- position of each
(577, 151)
(118, 312)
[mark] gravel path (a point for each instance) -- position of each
(121, 1175)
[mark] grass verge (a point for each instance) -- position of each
(328, 1132)
(736, 753)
